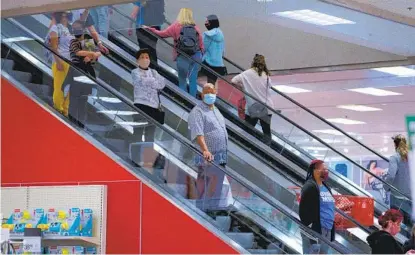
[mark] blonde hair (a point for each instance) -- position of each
(401, 146)
(185, 17)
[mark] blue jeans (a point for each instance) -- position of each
(188, 69)
(311, 247)
(100, 15)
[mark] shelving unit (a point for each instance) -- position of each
(61, 197)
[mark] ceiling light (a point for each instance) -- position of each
(83, 79)
(376, 92)
(313, 17)
(328, 132)
(359, 138)
(346, 121)
(132, 123)
(346, 150)
(396, 70)
(107, 99)
(289, 89)
(312, 148)
(121, 113)
(359, 108)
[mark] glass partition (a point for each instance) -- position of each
(99, 111)
(313, 137)
(289, 132)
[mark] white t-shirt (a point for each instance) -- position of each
(258, 86)
(64, 40)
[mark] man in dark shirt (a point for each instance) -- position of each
(149, 13)
(82, 56)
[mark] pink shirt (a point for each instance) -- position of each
(174, 31)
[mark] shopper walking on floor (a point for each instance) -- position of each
(214, 43)
(317, 207)
(208, 132)
(399, 177)
(187, 41)
(256, 82)
(383, 241)
(82, 57)
(148, 13)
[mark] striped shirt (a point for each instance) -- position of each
(75, 47)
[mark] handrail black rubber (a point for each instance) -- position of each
(127, 101)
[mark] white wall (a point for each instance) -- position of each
(284, 47)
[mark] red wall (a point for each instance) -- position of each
(37, 148)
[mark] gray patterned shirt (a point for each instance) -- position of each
(210, 124)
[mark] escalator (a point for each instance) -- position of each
(111, 124)
(289, 132)
(240, 134)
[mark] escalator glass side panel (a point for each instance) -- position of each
(156, 152)
(321, 139)
(317, 139)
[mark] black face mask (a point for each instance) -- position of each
(78, 33)
(208, 26)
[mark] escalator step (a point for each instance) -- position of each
(7, 64)
(39, 89)
(21, 76)
(246, 240)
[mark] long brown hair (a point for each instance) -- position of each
(259, 65)
(401, 146)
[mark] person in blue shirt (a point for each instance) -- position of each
(214, 42)
(317, 208)
(148, 13)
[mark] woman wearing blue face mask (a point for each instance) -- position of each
(208, 132)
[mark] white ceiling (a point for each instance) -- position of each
(395, 6)
(330, 89)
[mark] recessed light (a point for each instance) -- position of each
(376, 92)
(346, 150)
(359, 108)
(313, 17)
(328, 131)
(289, 89)
(132, 123)
(83, 79)
(346, 121)
(315, 148)
(397, 70)
(121, 113)
(107, 99)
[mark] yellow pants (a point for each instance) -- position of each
(60, 102)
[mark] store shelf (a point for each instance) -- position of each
(63, 240)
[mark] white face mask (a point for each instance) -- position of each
(144, 63)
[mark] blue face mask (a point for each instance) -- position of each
(209, 99)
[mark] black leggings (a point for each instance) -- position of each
(149, 130)
(265, 124)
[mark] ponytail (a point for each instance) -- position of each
(401, 147)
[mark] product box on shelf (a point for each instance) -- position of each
(63, 222)
(21, 219)
(65, 250)
(86, 222)
(90, 250)
(19, 249)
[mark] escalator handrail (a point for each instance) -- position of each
(285, 118)
(286, 97)
(253, 189)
